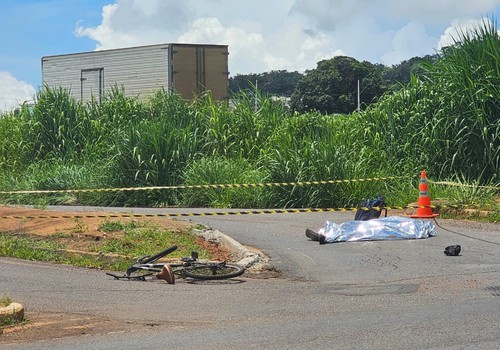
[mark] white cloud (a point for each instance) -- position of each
(245, 47)
(268, 35)
(106, 34)
(439, 11)
(132, 22)
(261, 41)
(410, 41)
(331, 15)
(13, 92)
(458, 29)
(312, 50)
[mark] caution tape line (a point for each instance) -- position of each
(457, 184)
(226, 213)
(213, 186)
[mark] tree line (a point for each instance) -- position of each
(332, 87)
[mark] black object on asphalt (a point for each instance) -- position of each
(452, 250)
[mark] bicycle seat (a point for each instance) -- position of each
(166, 274)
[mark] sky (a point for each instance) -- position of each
(263, 35)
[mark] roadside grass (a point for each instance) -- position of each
(10, 321)
(468, 199)
(5, 301)
(120, 245)
(481, 215)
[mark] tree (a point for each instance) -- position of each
(332, 87)
(278, 83)
(402, 72)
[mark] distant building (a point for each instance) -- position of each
(186, 69)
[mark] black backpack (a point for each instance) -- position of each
(370, 212)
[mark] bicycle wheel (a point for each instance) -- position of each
(161, 254)
(213, 271)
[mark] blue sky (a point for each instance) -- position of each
(262, 35)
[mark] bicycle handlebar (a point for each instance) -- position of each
(159, 255)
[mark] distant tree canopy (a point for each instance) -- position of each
(279, 83)
(332, 86)
(401, 73)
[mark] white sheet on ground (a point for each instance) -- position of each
(388, 228)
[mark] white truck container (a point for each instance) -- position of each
(186, 69)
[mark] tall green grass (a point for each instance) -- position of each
(13, 144)
(221, 170)
(448, 122)
(57, 127)
(445, 122)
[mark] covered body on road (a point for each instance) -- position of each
(387, 228)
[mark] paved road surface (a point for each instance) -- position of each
(377, 295)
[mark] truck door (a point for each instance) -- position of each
(91, 84)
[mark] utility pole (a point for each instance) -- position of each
(255, 96)
(359, 104)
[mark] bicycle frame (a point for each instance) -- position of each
(188, 267)
(156, 267)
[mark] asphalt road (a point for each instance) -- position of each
(376, 295)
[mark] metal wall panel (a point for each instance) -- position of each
(139, 70)
(188, 69)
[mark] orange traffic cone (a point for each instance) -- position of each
(424, 201)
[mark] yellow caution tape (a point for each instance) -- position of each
(226, 213)
(213, 186)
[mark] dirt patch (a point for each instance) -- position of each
(83, 228)
(46, 326)
(44, 222)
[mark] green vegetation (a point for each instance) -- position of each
(375, 79)
(9, 321)
(332, 86)
(28, 248)
(5, 301)
(116, 251)
(452, 114)
(109, 226)
(277, 83)
(445, 120)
